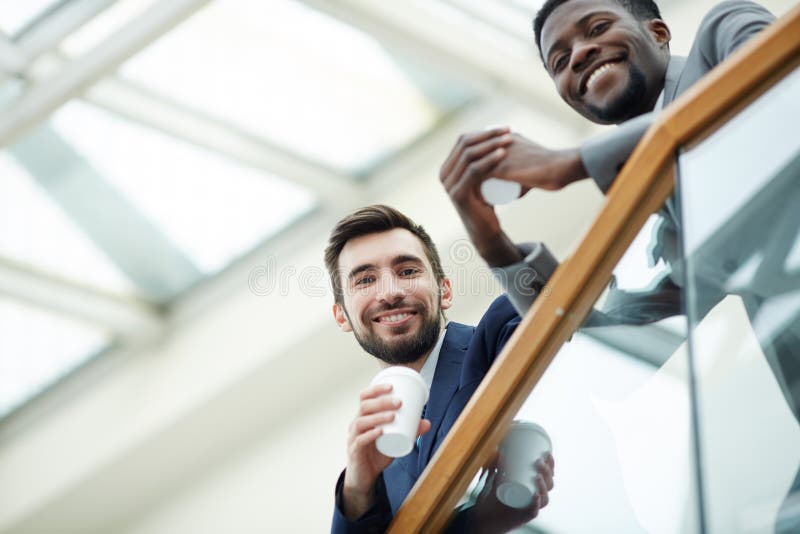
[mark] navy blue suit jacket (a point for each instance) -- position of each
(466, 355)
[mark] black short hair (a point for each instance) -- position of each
(640, 9)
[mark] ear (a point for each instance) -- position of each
(341, 318)
(446, 289)
(660, 31)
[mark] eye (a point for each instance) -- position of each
(600, 27)
(409, 271)
(559, 62)
(365, 280)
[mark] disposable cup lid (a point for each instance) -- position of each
(400, 370)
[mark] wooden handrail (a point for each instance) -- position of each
(640, 189)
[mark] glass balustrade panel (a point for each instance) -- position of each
(616, 409)
(740, 202)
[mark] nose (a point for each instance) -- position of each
(583, 52)
(390, 289)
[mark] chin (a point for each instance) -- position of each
(597, 117)
(622, 104)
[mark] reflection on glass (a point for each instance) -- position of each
(643, 287)
(37, 348)
(299, 78)
(740, 199)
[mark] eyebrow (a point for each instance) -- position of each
(581, 22)
(397, 260)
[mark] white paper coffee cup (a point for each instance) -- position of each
(524, 444)
(407, 385)
(496, 191)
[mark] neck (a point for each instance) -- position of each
(419, 363)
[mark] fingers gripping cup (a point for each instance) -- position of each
(407, 385)
(524, 444)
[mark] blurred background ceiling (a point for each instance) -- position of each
(172, 168)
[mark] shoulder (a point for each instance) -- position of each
(725, 28)
(500, 310)
(458, 335)
(729, 24)
(491, 335)
(495, 327)
(729, 7)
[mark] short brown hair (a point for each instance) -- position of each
(372, 220)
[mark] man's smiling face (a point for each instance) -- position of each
(392, 302)
(607, 65)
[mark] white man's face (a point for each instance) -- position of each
(392, 302)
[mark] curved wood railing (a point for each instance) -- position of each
(641, 188)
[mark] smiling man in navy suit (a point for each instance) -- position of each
(391, 293)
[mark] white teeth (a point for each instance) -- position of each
(598, 71)
(394, 318)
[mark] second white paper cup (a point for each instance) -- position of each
(496, 191)
(400, 434)
(524, 444)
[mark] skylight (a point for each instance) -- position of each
(16, 15)
(34, 231)
(213, 208)
(296, 77)
(125, 208)
(37, 348)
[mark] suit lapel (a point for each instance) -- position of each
(445, 384)
(675, 69)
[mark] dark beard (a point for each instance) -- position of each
(402, 352)
(623, 107)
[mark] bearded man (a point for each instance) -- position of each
(390, 291)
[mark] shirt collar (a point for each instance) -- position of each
(659, 102)
(429, 368)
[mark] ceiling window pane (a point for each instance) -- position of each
(34, 231)
(37, 349)
(105, 24)
(16, 15)
(211, 207)
(298, 78)
(115, 205)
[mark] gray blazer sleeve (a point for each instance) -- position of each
(604, 155)
(523, 281)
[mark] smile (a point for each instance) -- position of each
(394, 318)
(601, 69)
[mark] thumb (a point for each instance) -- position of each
(424, 426)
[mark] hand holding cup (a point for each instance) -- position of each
(524, 463)
(398, 436)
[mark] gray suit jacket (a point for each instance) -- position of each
(724, 29)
